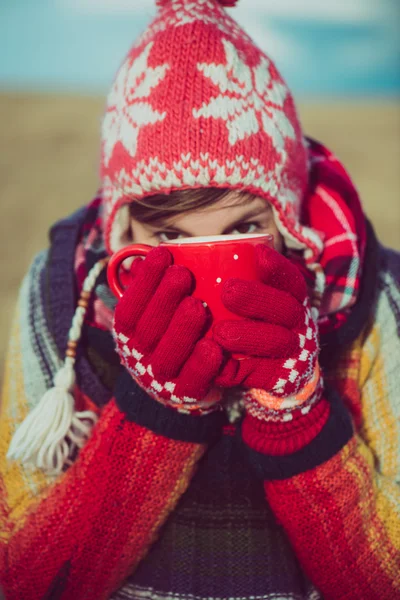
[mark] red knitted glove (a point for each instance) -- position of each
(158, 328)
(279, 336)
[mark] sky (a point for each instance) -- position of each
(324, 49)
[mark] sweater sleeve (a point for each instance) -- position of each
(81, 534)
(338, 498)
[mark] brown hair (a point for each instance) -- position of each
(156, 209)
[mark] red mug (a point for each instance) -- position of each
(211, 259)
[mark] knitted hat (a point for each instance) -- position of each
(197, 104)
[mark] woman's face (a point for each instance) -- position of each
(222, 218)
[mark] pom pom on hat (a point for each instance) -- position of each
(227, 3)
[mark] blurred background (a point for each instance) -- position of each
(58, 57)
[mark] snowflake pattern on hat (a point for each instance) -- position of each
(127, 111)
(248, 95)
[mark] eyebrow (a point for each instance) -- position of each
(251, 213)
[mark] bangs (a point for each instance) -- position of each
(157, 209)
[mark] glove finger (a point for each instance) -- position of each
(135, 267)
(200, 370)
(174, 287)
(229, 376)
(176, 345)
(268, 374)
(277, 271)
(136, 297)
(256, 300)
(255, 338)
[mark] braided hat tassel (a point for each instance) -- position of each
(52, 432)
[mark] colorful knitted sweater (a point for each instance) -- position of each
(166, 506)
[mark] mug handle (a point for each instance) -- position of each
(116, 261)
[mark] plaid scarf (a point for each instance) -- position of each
(332, 207)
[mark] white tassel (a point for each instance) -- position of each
(50, 435)
(41, 441)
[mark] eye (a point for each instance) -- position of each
(165, 236)
(245, 228)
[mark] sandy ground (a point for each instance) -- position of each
(49, 158)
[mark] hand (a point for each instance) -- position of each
(158, 328)
(278, 335)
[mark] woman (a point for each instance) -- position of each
(169, 469)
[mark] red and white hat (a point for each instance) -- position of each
(197, 104)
